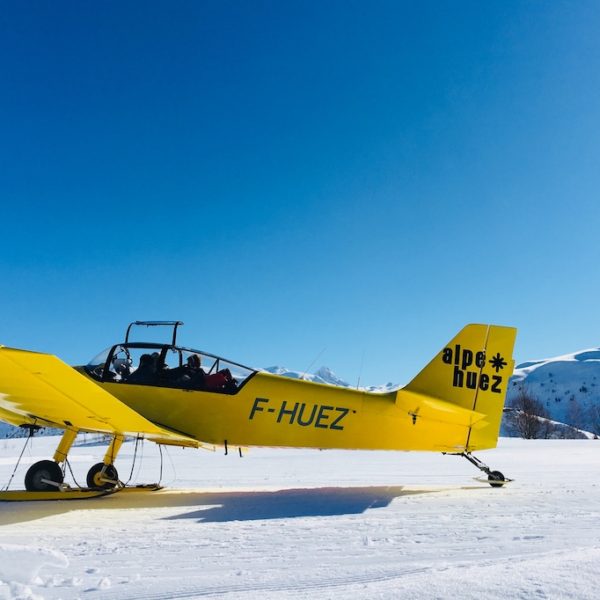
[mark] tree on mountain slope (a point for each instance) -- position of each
(529, 417)
(594, 419)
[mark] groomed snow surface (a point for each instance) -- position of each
(308, 524)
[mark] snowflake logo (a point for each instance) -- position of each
(497, 362)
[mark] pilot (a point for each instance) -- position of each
(122, 367)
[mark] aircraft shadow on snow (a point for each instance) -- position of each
(291, 503)
(218, 507)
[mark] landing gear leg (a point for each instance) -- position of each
(104, 475)
(47, 475)
(495, 478)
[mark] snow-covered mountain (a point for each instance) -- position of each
(6, 430)
(568, 386)
(327, 376)
(323, 375)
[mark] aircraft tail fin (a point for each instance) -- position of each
(472, 372)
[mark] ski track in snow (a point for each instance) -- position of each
(303, 524)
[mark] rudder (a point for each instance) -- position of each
(472, 371)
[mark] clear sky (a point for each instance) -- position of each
(303, 183)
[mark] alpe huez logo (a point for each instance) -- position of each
(468, 367)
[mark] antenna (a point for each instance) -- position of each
(314, 361)
(362, 362)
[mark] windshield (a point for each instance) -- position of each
(168, 366)
(96, 365)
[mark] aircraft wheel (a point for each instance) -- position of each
(41, 471)
(496, 479)
(95, 477)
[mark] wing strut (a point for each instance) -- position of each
(32, 430)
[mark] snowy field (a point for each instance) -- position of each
(309, 524)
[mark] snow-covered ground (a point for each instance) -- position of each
(309, 524)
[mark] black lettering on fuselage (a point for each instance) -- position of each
(496, 385)
(291, 413)
(343, 412)
(256, 407)
(471, 380)
(447, 356)
(484, 382)
(300, 420)
(467, 359)
(480, 360)
(298, 413)
(459, 376)
(322, 416)
(463, 359)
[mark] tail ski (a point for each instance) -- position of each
(466, 383)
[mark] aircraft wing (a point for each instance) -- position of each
(40, 389)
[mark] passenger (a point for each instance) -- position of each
(222, 381)
(219, 381)
(194, 362)
(146, 373)
(174, 377)
(196, 375)
(165, 375)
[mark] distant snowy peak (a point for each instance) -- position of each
(590, 356)
(327, 376)
(323, 375)
(581, 367)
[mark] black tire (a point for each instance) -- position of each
(95, 475)
(40, 471)
(496, 479)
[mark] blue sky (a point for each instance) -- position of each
(352, 181)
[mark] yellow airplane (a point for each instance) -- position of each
(179, 396)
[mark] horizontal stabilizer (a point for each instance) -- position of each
(425, 407)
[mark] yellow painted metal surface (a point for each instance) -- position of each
(40, 389)
(65, 444)
(447, 407)
(472, 372)
(454, 404)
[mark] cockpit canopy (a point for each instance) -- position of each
(166, 365)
